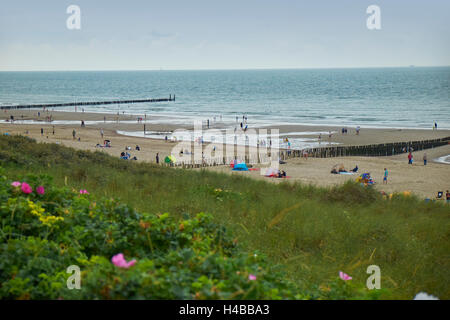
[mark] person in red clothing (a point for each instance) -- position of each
(410, 158)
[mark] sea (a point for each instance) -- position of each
(411, 97)
(408, 97)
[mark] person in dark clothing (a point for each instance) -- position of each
(157, 157)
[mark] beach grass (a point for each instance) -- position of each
(312, 233)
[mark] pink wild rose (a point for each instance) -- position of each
(40, 190)
(84, 191)
(344, 276)
(26, 188)
(16, 184)
(251, 277)
(119, 261)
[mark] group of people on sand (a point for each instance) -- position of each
(337, 169)
(125, 155)
(411, 158)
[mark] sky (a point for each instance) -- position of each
(231, 34)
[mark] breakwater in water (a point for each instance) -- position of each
(86, 103)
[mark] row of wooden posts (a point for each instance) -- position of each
(87, 103)
(373, 150)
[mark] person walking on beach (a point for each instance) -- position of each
(42, 131)
(425, 159)
(101, 133)
(74, 133)
(385, 176)
(435, 125)
(157, 158)
(410, 158)
(53, 130)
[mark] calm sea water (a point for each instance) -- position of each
(385, 97)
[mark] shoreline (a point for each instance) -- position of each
(230, 119)
(301, 132)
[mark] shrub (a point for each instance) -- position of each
(43, 234)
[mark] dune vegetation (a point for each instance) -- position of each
(195, 234)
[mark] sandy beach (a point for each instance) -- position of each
(425, 181)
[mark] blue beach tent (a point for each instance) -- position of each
(240, 167)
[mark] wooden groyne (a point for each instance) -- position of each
(372, 150)
(86, 103)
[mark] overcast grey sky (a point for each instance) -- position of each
(231, 34)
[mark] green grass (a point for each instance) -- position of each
(312, 233)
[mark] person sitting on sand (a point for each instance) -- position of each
(425, 159)
(283, 174)
(138, 148)
(355, 169)
(447, 196)
(124, 156)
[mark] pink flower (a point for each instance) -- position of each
(251, 277)
(26, 188)
(84, 191)
(119, 261)
(16, 184)
(344, 276)
(40, 190)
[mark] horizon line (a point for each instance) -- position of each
(228, 69)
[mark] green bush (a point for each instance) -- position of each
(41, 235)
